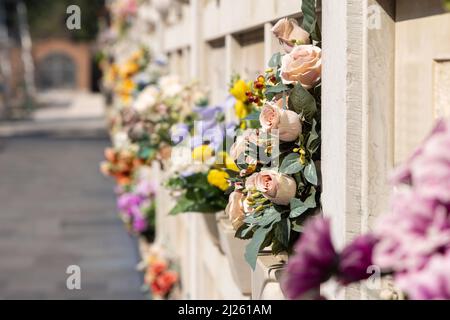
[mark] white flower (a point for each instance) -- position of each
(170, 86)
(146, 99)
(121, 141)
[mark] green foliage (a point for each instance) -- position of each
(198, 195)
(298, 207)
(302, 102)
(275, 60)
(447, 5)
(291, 164)
(256, 244)
(310, 19)
(310, 173)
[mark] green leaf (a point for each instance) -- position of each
(309, 15)
(253, 116)
(316, 35)
(299, 207)
(266, 218)
(283, 231)
(302, 102)
(310, 173)
(291, 164)
(183, 205)
(313, 140)
(253, 248)
(275, 60)
(297, 227)
(276, 89)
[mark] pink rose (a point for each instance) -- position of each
(250, 182)
(286, 122)
(277, 187)
(289, 32)
(235, 210)
(302, 65)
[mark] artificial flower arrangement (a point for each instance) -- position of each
(161, 275)
(157, 108)
(411, 243)
(136, 204)
(199, 177)
(278, 154)
(120, 164)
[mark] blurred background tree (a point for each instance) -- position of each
(47, 18)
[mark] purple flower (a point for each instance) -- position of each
(196, 141)
(314, 260)
(208, 112)
(139, 223)
(430, 282)
(179, 133)
(146, 188)
(127, 201)
(416, 229)
(355, 259)
(228, 106)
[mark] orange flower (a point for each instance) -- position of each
(158, 267)
(110, 155)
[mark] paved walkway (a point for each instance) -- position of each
(57, 210)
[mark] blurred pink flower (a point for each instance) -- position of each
(431, 282)
(415, 229)
(428, 169)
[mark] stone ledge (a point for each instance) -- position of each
(266, 277)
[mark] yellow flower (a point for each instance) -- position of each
(239, 89)
(127, 86)
(137, 55)
(225, 159)
(242, 110)
(125, 99)
(202, 153)
(218, 178)
(128, 69)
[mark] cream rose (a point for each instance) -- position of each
(277, 187)
(302, 65)
(235, 210)
(289, 32)
(286, 122)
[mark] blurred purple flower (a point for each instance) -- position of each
(139, 223)
(208, 113)
(196, 141)
(355, 259)
(416, 229)
(146, 188)
(127, 201)
(313, 263)
(429, 283)
(229, 104)
(179, 132)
